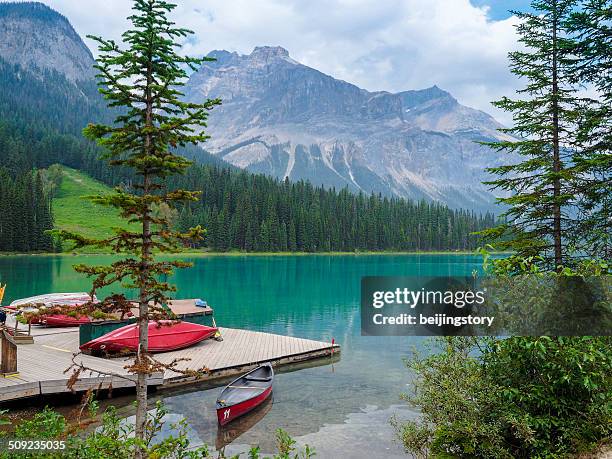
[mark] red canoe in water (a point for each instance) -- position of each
(245, 393)
(164, 335)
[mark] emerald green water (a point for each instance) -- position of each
(342, 409)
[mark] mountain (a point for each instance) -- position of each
(278, 117)
(49, 93)
(285, 119)
(44, 106)
(33, 36)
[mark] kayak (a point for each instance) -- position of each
(61, 320)
(245, 393)
(164, 335)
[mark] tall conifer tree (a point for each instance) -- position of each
(541, 183)
(141, 77)
(591, 26)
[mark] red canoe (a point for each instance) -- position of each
(53, 299)
(245, 393)
(60, 320)
(164, 335)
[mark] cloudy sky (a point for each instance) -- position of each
(392, 45)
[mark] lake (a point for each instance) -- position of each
(342, 409)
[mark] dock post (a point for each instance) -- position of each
(8, 359)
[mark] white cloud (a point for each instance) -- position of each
(388, 45)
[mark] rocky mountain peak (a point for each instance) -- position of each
(286, 119)
(268, 52)
(414, 98)
(260, 57)
(269, 55)
(34, 36)
(221, 56)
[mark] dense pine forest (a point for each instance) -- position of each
(40, 125)
(257, 213)
(25, 213)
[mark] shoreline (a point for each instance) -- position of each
(250, 254)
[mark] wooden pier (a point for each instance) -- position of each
(41, 365)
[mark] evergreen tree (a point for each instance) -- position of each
(283, 238)
(142, 78)
(25, 214)
(591, 28)
(292, 243)
(541, 185)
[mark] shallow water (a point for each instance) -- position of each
(342, 409)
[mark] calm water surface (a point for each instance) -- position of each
(340, 408)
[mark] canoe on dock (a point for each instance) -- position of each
(164, 336)
(34, 303)
(41, 365)
(245, 393)
(53, 299)
(61, 320)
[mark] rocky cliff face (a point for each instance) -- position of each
(283, 118)
(35, 37)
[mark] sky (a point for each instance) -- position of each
(392, 45)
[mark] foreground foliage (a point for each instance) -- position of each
(522, 396)
(527, 300)
(515, 397)
(114, 438)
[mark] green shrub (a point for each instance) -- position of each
(515, 397)
(561, 387)
(45, 425)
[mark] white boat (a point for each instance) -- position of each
(54, 299)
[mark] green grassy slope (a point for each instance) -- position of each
(73, 213)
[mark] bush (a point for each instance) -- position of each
(515, 397)
(560, 387)
(115, 438)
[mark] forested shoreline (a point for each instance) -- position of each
(248, 212)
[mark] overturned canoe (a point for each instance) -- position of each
(60, 320)
(164, 335)
(54, 299)
(245, 393)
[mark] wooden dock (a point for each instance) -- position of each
(41, 365)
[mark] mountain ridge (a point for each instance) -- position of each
(42, 114)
